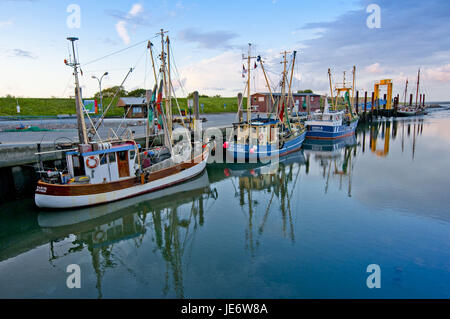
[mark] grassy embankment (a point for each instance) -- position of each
(56, 106)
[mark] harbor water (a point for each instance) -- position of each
(306, 227)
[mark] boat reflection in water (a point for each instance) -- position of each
(335, 158)
(264, 190)
(100, 228)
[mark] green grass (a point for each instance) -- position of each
(56, 106)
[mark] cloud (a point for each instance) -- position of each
(411, 36)
(208, 40)
(133, 17)
(440, 74)
(5, 23)
(203, 76)
(374, 68)
(122, 31)
(19, 53)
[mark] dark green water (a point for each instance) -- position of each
(305, 229)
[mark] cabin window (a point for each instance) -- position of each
(137, 109)
(261, 99)
(112, 157)
(132, 154)
(122, 155)
(78, 166)
(103, 159)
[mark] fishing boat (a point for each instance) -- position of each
(266, 137)
(102, 171)
(413, 110)
(333, 124)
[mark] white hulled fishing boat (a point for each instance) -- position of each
(108, 170)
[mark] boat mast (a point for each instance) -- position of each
(165, 115)
(290, 97)
(248, 85)
(283, 88)
(331, 89)
(169, 115)
(406, 91)
(417, 92)
(149, 46)
(82, 133)
(166, 93)
(147, 141)
(353, 90)
(267, 81)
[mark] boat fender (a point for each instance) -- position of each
(261, 137)
(89, 162)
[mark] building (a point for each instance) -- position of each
(135, 107)
(261, 102)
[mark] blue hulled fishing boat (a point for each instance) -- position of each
(333, 124)
(266, 137)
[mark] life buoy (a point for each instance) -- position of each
(99, 235)
(88, 162)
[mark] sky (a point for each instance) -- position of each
(208, 39)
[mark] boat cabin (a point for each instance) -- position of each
(102, 163)
(331, 118)
(258, 132)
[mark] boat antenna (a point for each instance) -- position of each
(248, 58)
(82, 133)
(331, 90)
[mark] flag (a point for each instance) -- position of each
(158, 105)
(255, 65)
(281, 113)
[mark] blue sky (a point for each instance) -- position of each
(209, 37)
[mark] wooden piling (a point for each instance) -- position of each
(196, 106)
(423, 101)
(357, 102)
(240, 113)
(365, 106)
(410, 99)
(373, 106)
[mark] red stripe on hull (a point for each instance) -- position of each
(330, 138)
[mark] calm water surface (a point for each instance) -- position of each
(307, 228)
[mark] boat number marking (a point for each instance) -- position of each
(41, 189)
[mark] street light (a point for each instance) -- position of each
(100, 87)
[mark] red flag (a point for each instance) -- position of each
(281, 113)
(158, 103)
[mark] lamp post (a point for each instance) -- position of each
(100, 87)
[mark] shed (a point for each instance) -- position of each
(262, 103)
(135, 107)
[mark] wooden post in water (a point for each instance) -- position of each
(240, 113)
(420, 103)
(373, 106)
(196, 106)
(357, 102)
(410, 99)
(423, 101)
(365, 106)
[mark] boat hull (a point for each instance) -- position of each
(328, 132)
(68, 196)
(243, 152)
